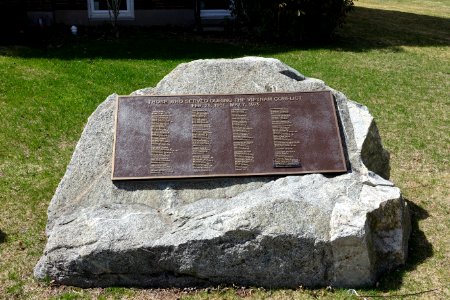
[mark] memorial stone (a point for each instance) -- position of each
(342, 230)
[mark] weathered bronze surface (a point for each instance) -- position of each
(163, 137)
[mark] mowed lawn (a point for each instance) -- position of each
(392, 55)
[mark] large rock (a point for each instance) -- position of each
(310, 230)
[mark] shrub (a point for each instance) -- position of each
(294, 20)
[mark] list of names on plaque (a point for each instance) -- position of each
(161, 151)
(196, 136)
(283, 139)
(242, 139)
(202, 159)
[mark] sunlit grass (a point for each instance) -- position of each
(438, 8)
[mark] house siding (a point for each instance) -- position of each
(163, 4)
(38, 5)
(13, 16)
(147, 12)
(70, 4)
(48, 5)
(11, 4)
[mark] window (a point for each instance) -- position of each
(98, 9)
(215, 10)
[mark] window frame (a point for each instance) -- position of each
(104, 14)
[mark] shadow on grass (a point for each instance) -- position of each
(419, 250)
(368, 29)
(3, 237)
(365, 29)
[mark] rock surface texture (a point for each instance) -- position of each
(310, 230)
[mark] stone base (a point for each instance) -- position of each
(310, 230)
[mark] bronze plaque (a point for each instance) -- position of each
(166, 137)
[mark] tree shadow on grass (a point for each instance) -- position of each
(365, 29)
(419, 249)
(3, 237)
(368, 28)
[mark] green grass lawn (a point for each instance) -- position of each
(393, 56)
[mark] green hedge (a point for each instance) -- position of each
(290, 20)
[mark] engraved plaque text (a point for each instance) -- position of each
(168, 137)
